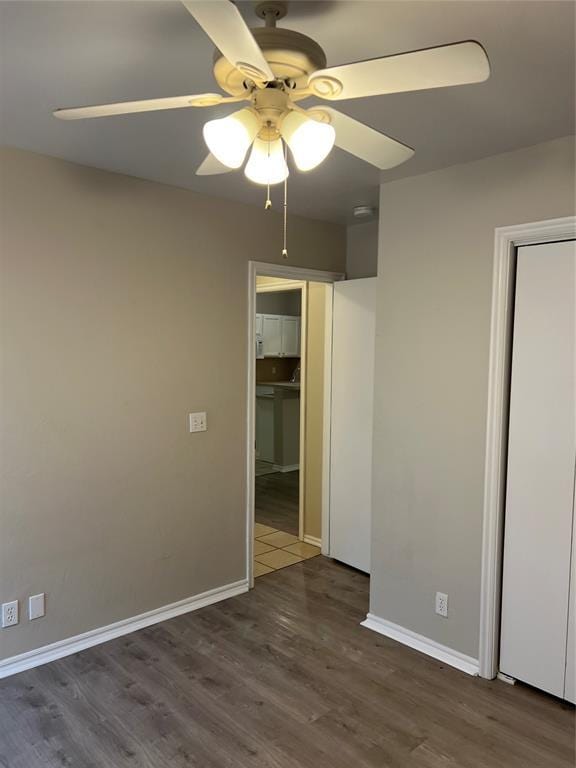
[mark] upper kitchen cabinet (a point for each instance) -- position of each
(280, 334)
(290, 337)
(272, 335)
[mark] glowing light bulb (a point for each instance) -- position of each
(310, 141)
(229, 137)
(266, 164)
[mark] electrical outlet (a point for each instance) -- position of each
(442, 604)
(9, 614)
(36, 606)
(197, 422)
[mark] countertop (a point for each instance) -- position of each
(279, 384)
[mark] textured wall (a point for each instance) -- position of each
(123, 308)
(432, 343)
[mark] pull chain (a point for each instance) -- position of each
(268, 203)
(285, 248)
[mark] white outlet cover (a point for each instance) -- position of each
(36, 606)
(10, 614)
(442, 604)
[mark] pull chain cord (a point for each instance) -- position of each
(268, 203)
(285, 248)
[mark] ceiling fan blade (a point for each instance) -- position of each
(210, 166)
(455, 64)
(224, 25)
(366, 143)
(148, 105)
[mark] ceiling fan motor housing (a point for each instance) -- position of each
(270, 104)
(292, 56)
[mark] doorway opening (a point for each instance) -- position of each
(289, 415)
(289, 373)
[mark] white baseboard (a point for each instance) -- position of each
(313, 540)
(423, 644)
(286, 467)
(77, 643)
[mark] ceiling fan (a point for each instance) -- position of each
(273, 69)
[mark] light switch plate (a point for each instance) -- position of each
(197, 422)
(36, 606)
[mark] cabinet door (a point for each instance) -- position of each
(272, 335)
(265, 428)
(259, 319)
(290, 336)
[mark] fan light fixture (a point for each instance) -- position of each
(266, 164)
(309, 140)
(229, 137)
(273, 70)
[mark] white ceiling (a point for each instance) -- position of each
(56, 54)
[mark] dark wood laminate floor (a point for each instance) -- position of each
(282, 677)
(277, 500)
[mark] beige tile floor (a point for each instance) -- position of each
(275, 549)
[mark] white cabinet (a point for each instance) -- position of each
(290, 337)
(265, 423)
(272, 335)
(281, 335)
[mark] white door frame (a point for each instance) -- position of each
(256, 268)
(506, 241)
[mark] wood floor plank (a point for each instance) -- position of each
(282, 677)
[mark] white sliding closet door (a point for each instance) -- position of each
(353, 343)
(570, 681)
(541, 458)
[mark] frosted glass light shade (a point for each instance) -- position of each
(266, 168)
(309, 140)
(229, 137)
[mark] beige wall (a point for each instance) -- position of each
(362, 250)
(123, 308)
(434, 299)
(279, 303)
(316, 313)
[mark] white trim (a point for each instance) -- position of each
(303, 406)
(314, 540)
(71, 645)
(294, 273)
(327, 421)
(286, 467)
(423, 644)
(280, 286)
(506, 678)
(269, 270)
(506, 240)
(251, 422)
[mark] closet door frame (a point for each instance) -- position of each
(506, 241)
